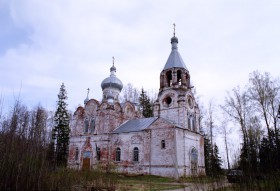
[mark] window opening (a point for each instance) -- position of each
(87, 154)
(194, 159)
(98, 154)
(135, 154)
(86, 125)
(92, 125)
(194, 123)
(77, 153)
(189, 122)
(163, 144)
(179, 77)
(118, 154)
(168, 100)
(169, 78)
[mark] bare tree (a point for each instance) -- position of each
(130, 93)
(237, 108)
(264, 93)
(209, 119)
(225, 130)
(23, 149)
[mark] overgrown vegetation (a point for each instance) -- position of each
(24, 161)
(256, 110)
(23, 148)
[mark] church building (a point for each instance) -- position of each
(110, 135)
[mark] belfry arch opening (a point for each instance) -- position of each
(169, 78)
(179, 77)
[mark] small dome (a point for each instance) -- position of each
(174, 39)
(86, 100)
(113, 68)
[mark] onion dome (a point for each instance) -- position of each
(112, 81)
(111, 86)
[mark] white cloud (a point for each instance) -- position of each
(73, 42)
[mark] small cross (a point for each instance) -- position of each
(174, 28)
(113, 60)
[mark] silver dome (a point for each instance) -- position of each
(112, 81)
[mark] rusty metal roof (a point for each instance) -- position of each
(174, 60)
(135, 125)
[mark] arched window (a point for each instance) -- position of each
(163, 144)
(179, 77)
(92, 125)
(194, 160)
(189, 122)
(86, 154)
(118, 154)
(86, 125)
(77, 153)
(194, 123)
(135, 154)
(98, 153)
(169, 78)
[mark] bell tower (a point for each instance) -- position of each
(175, 101)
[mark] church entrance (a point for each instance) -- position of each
(194, 160)
(86, 161)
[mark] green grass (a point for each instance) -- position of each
(202, 179)
(147, 182)
(67, 179)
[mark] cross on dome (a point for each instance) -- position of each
(174, 28)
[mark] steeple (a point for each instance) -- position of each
(175, 73)
(174, 60)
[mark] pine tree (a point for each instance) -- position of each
(61, 130)
(207, 155)
(212, 159)
(145, 104)
(216, 161)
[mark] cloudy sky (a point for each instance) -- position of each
(45, 43)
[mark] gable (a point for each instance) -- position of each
(162, 123)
